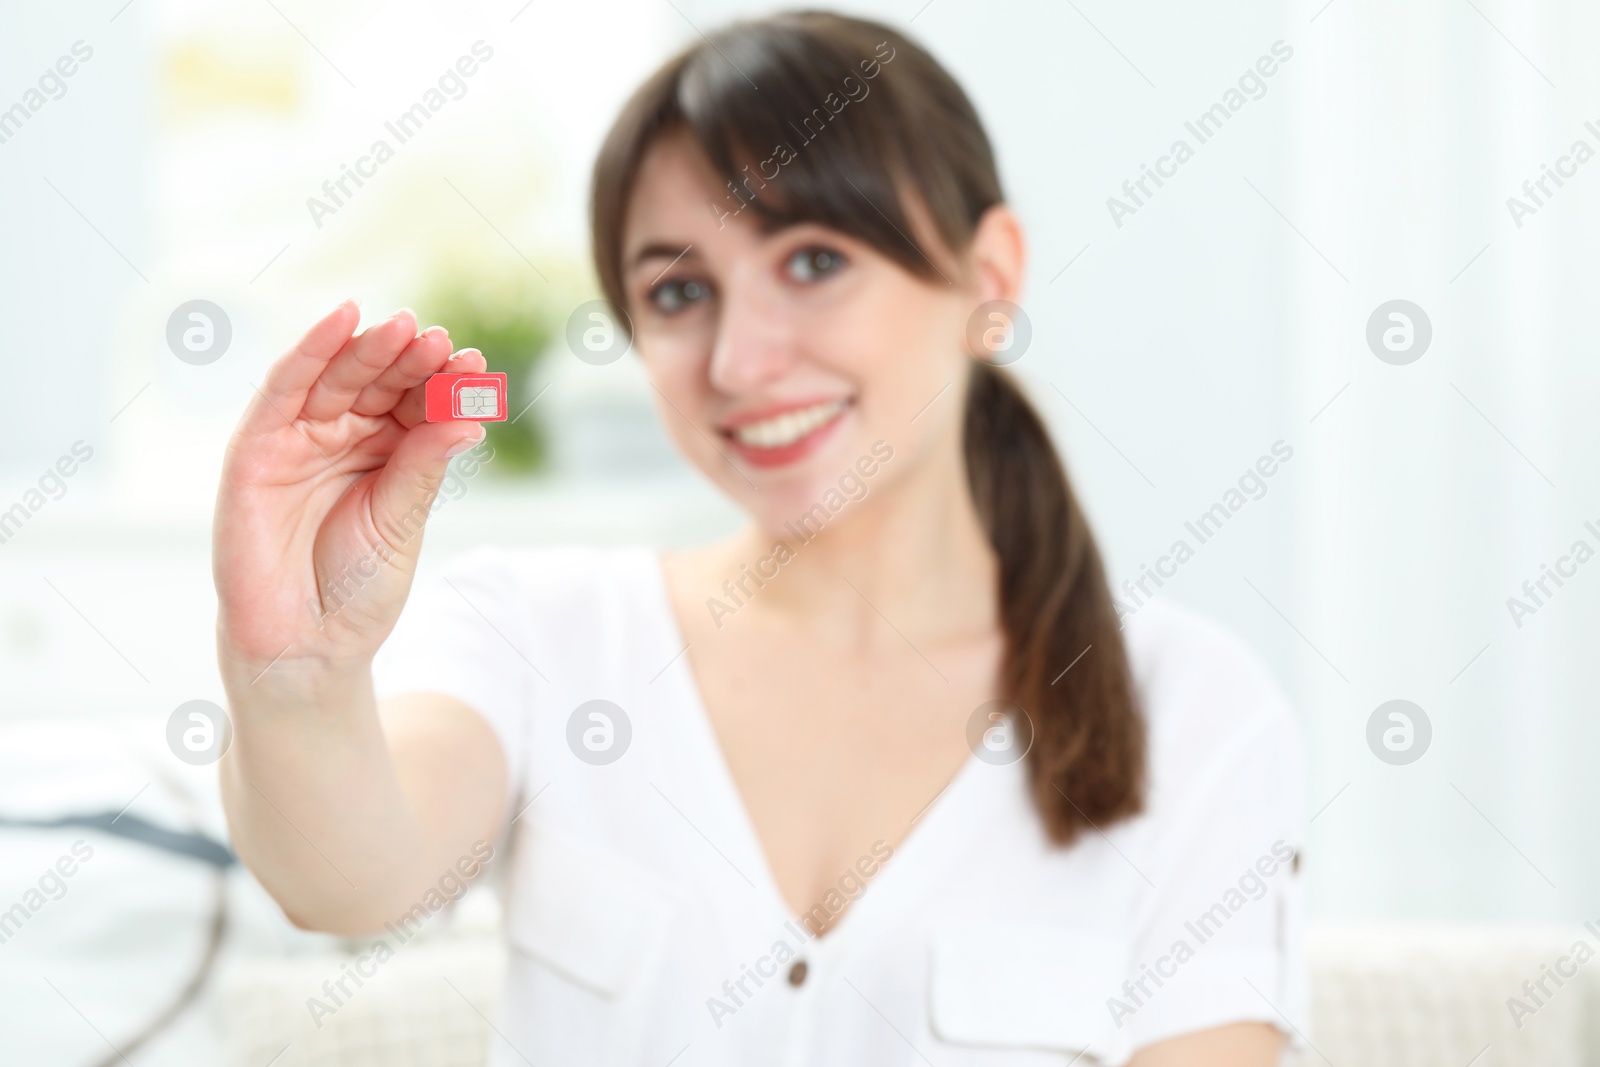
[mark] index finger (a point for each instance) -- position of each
(289, 380)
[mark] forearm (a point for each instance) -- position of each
(315, 804)
(1230, 1045)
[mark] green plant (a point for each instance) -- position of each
(511, 317)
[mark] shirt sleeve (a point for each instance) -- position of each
(466, 632)
(1221, 938)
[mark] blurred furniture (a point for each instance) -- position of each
(1381, 997)
(430, 1005)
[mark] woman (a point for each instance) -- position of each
(881, 779)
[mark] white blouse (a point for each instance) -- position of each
(646, 927)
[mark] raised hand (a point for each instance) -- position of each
(325, 488)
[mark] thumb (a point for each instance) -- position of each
(406, 486)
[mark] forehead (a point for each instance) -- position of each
(677, 194)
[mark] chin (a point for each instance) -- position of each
(797, 499)
(788, 513)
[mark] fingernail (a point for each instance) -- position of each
(464, 351)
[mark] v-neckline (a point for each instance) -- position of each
(912, 850)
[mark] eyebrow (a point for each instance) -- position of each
(659, 249)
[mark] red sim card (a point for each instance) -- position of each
(466, 398)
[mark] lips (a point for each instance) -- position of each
(775, 438)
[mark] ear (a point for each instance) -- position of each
(999, 255)
(997, 262)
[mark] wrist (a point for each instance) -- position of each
(311, 681)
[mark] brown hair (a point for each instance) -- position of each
(805, 82)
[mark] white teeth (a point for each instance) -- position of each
(789, 427)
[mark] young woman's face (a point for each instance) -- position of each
(790, 364)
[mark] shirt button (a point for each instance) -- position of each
(797, 973)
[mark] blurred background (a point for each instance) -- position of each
(1397, 162)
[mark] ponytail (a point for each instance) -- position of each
(1065, 664)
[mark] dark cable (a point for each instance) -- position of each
(191, 845)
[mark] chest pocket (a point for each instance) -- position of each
(589, 933)
(998, 984)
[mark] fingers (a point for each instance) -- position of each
(424, 356)
(288, 382)
(406, 486)
(358, 364)
(331, 370)
(411, 408)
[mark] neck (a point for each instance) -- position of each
(913, 554)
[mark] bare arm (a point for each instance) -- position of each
(1234, 1045)
(346, 812)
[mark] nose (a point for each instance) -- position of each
(755, 341)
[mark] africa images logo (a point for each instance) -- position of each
(811, 127)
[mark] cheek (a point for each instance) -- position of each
(677, 371)
(903, 353)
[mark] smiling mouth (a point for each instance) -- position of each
(782, 431)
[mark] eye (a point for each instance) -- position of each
(676, 294)
(813, 262)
